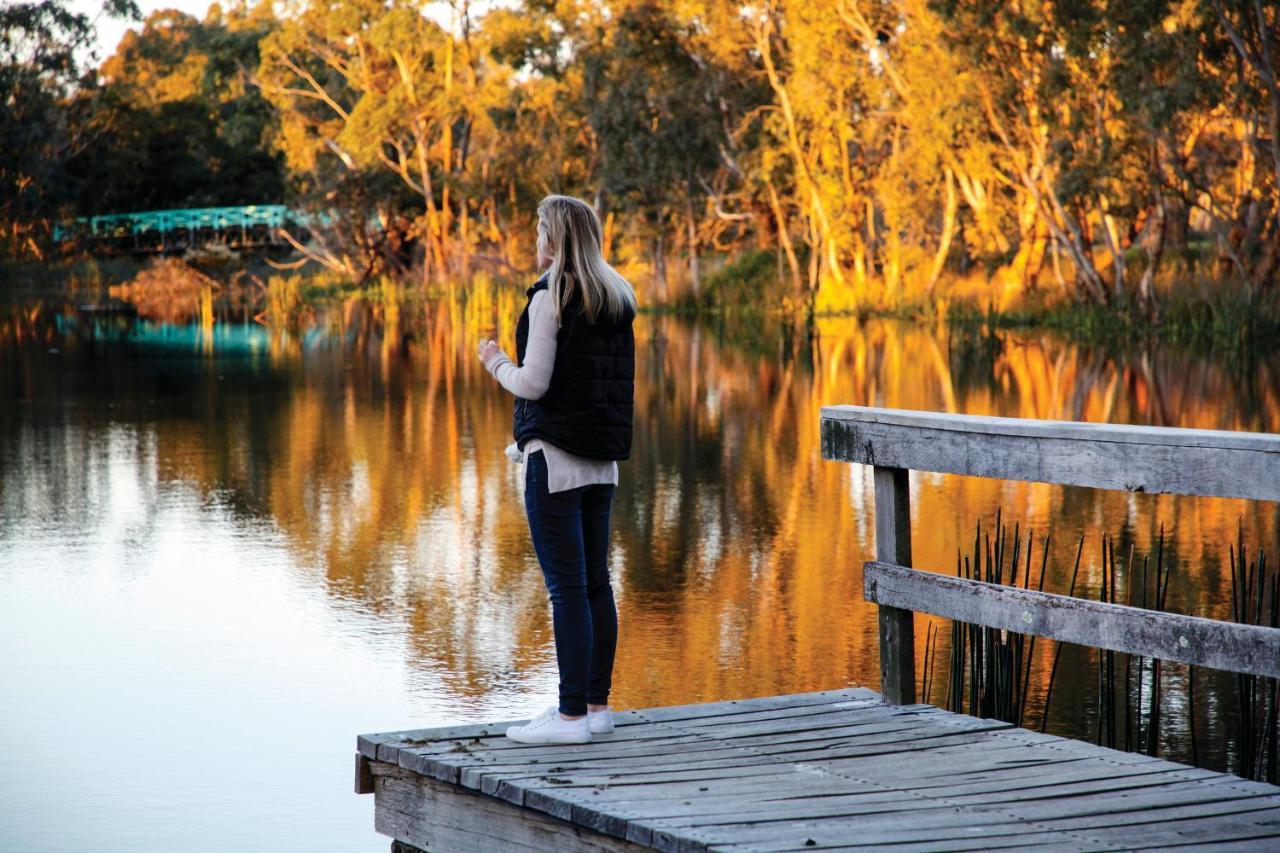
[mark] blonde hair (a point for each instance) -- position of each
(572, 234)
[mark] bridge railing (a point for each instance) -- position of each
(261, 221)
(1105, 456)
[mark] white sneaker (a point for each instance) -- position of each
(600, 722)
(550, 727)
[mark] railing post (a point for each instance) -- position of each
(893, 545)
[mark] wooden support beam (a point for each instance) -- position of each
(893, 545)
(364, 778)
(1228, 646)
(1106, 456)
(423, 814)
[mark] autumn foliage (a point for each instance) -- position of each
(857, 155)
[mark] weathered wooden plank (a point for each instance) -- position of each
(1112, 809)
(855, 800)
(860, 752)
(861, 707)
(856, 744)
(1037, 841)
(691, 753)
(856, 808)
(704, 710)
(1058, 780)
(656, 743)
(999, 755)
(773, 775)
(1106, 456)
(933, 825)
(677, 749)
(926, 817)
(1265, 843)
(1229, 646)
(1087, 431)
(826, 726)
(929, 824)
(745, 799)
(580, 773)
(364, 778)
(368, 745)
(1222, 828)
(854, 841)
(897, 626)
(829, 716)
(722, 776)
(492, 734)
(431, 816)
(1096, 783)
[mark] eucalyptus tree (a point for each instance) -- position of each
(45, 58)
(363, 87)
(177, 121)
(1252, 238)
(652, 102)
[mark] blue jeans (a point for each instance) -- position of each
(570, 532)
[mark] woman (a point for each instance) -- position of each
(573, 379)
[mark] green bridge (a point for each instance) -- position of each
(159, 231)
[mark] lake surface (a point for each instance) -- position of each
(227, 548)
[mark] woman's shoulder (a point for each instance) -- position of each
(539, 286)
(541, 309)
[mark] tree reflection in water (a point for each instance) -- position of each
(372, 442)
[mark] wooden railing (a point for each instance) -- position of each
(1105, 456)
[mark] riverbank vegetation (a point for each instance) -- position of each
(839, 156)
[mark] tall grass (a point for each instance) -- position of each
(989, 670)
(1255, 600)
(1190, 312)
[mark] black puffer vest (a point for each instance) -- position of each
(588, 406)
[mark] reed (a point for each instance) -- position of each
(989, 670)
(930, 653)
(991, 667)
(1057, 652)
(1161, 593)
(1255, 600)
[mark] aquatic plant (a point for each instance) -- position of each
(1255, 600)
(989, 674)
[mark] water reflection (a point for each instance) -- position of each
(366, 448)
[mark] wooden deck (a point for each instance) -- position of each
(835, 769)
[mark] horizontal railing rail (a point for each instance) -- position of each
(1106, 456)
(1201, 462)
(1229, 646)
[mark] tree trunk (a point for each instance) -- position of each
(948, 232)
(1153, 246)
(659, 267)
(1112, 236)
(464, 228)
(784, 237)
(975, 196)
(691, 238)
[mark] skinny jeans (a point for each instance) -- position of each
(570, 532)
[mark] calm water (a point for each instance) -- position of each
(225, 549)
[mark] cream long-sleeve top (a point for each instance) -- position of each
(530, 381)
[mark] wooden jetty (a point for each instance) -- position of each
(837, 769)
(851, 768)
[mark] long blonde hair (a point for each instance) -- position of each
(572, 234)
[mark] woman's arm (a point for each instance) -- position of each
(531, 380)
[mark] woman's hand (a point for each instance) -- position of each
(488, 350)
